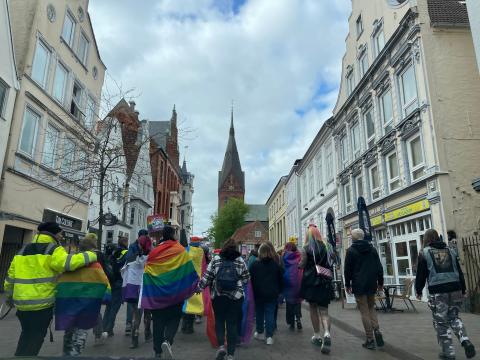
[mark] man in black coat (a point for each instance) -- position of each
(363, 277)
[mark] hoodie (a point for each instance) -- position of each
(422, 275)
(363, 269)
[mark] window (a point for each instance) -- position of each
(359, 26)
(258, 233)
(304, 189)
(29, 132)
(3, 97)
(374, 182)
(408, 90)
(378, 42)
(363, 63)
(319, 173)
(369, 127)
(329, 160)
(75, 108)
(415, 158)
(311, 182)
(355, 131)
(386, 110)
(359, 186)
(68, 157)
(50, 146)
(350, 83)
(41, 62)
(82, 51)
(68, 29)
(90, 113)
(392, 171)
(344, 151)
(60, 83)
(82, 165)
(348, 197)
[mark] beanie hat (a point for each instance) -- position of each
(142, 232)
(49, 226)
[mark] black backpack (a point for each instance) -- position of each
(227, 276)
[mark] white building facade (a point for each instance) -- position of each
(186, 206)
(318, 193)
(292, 186)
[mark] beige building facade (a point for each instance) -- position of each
(277, 210)
(406, 126)
(61, 78)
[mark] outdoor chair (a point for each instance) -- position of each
(381, 299)
(405, 295)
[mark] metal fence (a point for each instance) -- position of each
(471, 257)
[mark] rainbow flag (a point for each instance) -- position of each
(292, 277)
(194, 304)
(169, 278)
(79, 297)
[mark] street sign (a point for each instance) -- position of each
(109, 219)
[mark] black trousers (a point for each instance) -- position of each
(293, 313)
(165, 325)
(34, 328)
(227, 315)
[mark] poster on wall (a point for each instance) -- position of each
(155, 223)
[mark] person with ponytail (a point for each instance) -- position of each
(317, 263)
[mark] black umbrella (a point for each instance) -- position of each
(331, 229)
(364, 219)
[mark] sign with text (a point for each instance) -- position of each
(65, 221)
(407, 210)
(155, 223)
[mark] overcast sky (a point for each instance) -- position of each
(278, 60)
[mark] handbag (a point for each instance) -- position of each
(322, 271)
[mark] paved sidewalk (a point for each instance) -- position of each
(408, 331)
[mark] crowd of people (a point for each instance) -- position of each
(173, 281)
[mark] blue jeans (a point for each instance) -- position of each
(111, 310)
(265, 317)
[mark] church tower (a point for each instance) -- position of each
(231, 179)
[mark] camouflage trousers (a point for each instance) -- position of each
(445, 308)
(74, 342)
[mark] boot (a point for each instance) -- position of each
(134, 344)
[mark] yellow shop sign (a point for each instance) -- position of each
(377, 220)
(407, 210)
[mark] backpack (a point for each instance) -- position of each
(227, 276)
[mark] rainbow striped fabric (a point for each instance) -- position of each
(169, 278)
(79, 297)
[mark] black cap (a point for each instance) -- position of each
(168, 233)
(142, 232)
(49, 226)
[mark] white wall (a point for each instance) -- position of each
(473, 7)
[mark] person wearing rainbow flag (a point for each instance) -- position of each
(292, 279)
(78, 301)
(317, 263)
(168, 280)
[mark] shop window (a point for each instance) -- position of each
(41, 63)
(386, 257)
(408, 90)
(427, 223)
(413, 255)
(420, 225)
(414, 226)
(415, 158)
(403, 265)
(393, 174)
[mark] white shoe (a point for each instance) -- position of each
(221, 353)
(167, 350)
(269, 341)
(104, 335)
(258, 336)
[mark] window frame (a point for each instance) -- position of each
(69, 42)
(344, 151)
(348, 205)
(420, 166)
(356, 142)
(359, 26)
(390, 122)
(363, 62)
(370, 178)
(369, 141)
(35, 131)
(330, 167)
(350, 82)
(319, 173)
(63, 168)
(73, 100)
(83, 58)
(90, 110)
(46, 71)
(355, 181)
(55, 147)
(3, 102)
(396, 179)
(64, 91)
(311, 182)
(407, 105)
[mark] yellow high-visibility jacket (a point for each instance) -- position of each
(32, 276)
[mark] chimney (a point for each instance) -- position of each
(132, 105)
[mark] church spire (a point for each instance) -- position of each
(232, 129)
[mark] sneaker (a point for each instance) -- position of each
(167, 350)
(378, 338)
(269, 341)
(259, 336)
(327, 343)
(104, 335)
(221, 353)
(369, 344)
(316, 341)
(469, 349)
(299, 325)
(446, 356)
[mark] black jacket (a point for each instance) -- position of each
(422, 276)
(363, 269)
(267, 280)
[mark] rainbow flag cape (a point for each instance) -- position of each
(194, 304)
(169, 278)
(79, 297)
(292, 277)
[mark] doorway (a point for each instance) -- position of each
(13, 240)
